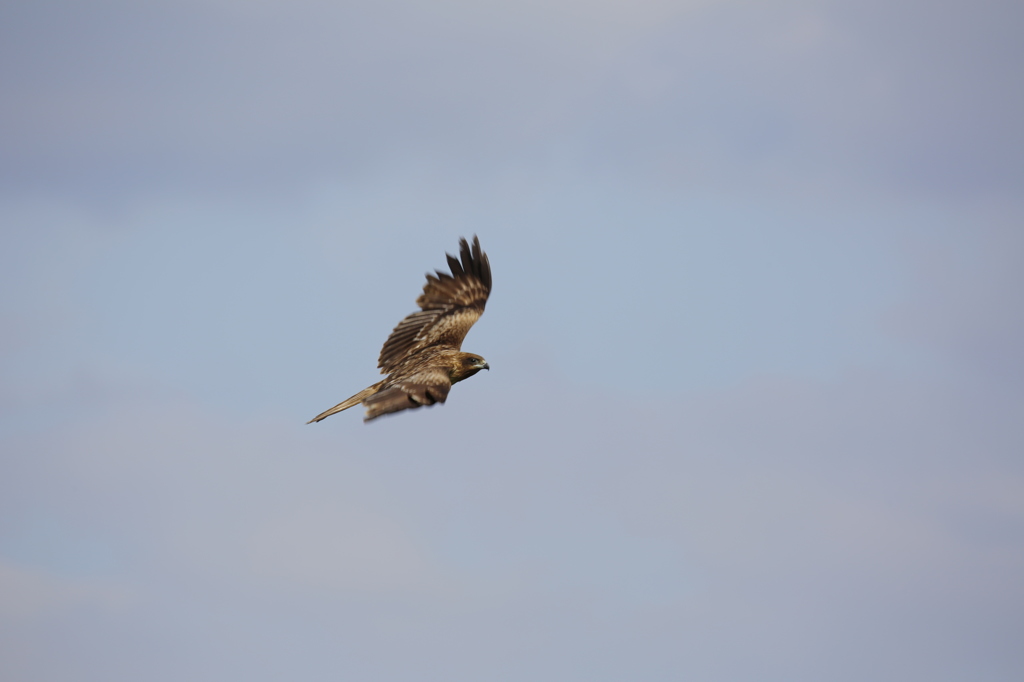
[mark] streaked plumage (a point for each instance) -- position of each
(422, 356)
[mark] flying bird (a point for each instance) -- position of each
(423, 358)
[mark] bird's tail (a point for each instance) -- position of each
(345, 404)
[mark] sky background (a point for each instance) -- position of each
(756, 406)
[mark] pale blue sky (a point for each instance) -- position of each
(755, 409)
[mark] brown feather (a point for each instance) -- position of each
(422, 356)
(450, 305)
(429, 386)
(350, 402)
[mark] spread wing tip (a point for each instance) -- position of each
(473, 261)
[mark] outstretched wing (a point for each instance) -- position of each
(450, 304)
(427, 386)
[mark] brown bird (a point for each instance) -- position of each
(422, 357)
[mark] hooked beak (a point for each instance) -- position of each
(487, 367)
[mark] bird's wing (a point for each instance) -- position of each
(426, 386)
(450, 304)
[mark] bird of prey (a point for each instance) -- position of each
(422, 357)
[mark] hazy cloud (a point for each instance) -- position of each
(885, 95)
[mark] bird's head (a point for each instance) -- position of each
(468, 365)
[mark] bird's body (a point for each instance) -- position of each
(422, 357)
